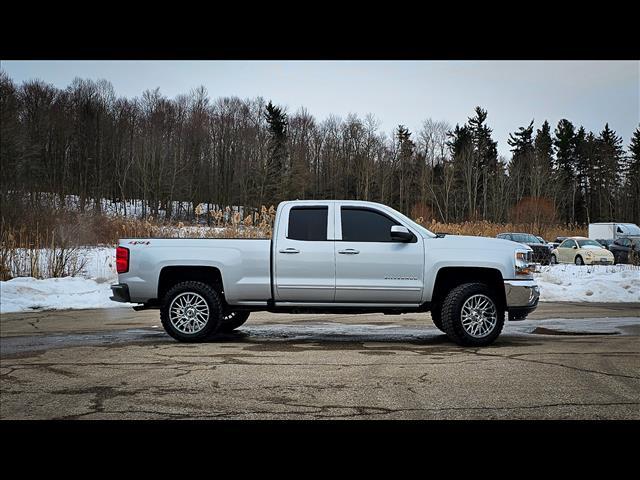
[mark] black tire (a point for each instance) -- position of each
(553, 260)
(578, 260)
(213, 321)
(233, 320)
(436, 316)
(452, 315)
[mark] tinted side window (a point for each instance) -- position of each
(308, 223)
(566, 244)
(359, 225)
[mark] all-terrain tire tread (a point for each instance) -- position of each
(451, 324)
(436, 316)
(215, 309)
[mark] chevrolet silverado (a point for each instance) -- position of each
(330, 256)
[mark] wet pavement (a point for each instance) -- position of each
(568, 361)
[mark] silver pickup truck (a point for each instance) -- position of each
(330, 257)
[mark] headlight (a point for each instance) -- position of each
(523, 265)
(589, 254)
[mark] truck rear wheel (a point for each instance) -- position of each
(233, 320)
(191, 312)
(471, 315)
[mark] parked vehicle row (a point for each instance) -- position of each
(608, 243)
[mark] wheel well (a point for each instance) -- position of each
(169, 276)
(450, 277)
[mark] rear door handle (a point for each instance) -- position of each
(289, 250)
(349, 251)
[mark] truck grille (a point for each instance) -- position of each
(540, 254)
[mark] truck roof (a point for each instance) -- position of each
(362, 202)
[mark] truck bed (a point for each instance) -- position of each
(244, 265)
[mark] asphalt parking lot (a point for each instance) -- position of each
(569, 361)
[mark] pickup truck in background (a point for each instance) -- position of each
(330, 256)
(541, 249)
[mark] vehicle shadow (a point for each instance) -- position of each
(335, 338)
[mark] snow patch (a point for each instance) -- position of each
(589, 283)
(26, 294)
(89, 290)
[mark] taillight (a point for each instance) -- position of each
(122, 260)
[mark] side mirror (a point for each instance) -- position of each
(575, 247)
(400, 234)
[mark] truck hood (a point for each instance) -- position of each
(476, 243)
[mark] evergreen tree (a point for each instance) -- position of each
(276, 175)
(564, 170)
(485, 155)
(610, 174)
(632, 177)
(522, 160)
(543, 146)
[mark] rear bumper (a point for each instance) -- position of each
(522, 296)
(120, 293)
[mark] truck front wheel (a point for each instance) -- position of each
(191, 312)
(471, 316)
(233, 320)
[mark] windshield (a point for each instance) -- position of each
(589, 243)
(631, 229)
(525, 238)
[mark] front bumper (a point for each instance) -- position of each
(120, 293)
(522, 297)
(599, 261)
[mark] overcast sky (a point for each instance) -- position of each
(589, 93)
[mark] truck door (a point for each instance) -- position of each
(370, 267)
(304, 256)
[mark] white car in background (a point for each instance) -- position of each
(581, 251)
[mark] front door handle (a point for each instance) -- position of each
(349, 251)
(290, 250)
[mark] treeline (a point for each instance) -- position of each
(86, 141)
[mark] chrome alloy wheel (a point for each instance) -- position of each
(189, 313)
(479, 316)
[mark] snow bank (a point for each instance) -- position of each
(26, 294)
(597, 283)
(89, 290)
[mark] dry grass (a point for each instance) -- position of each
(489, 229)
(20, 256)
